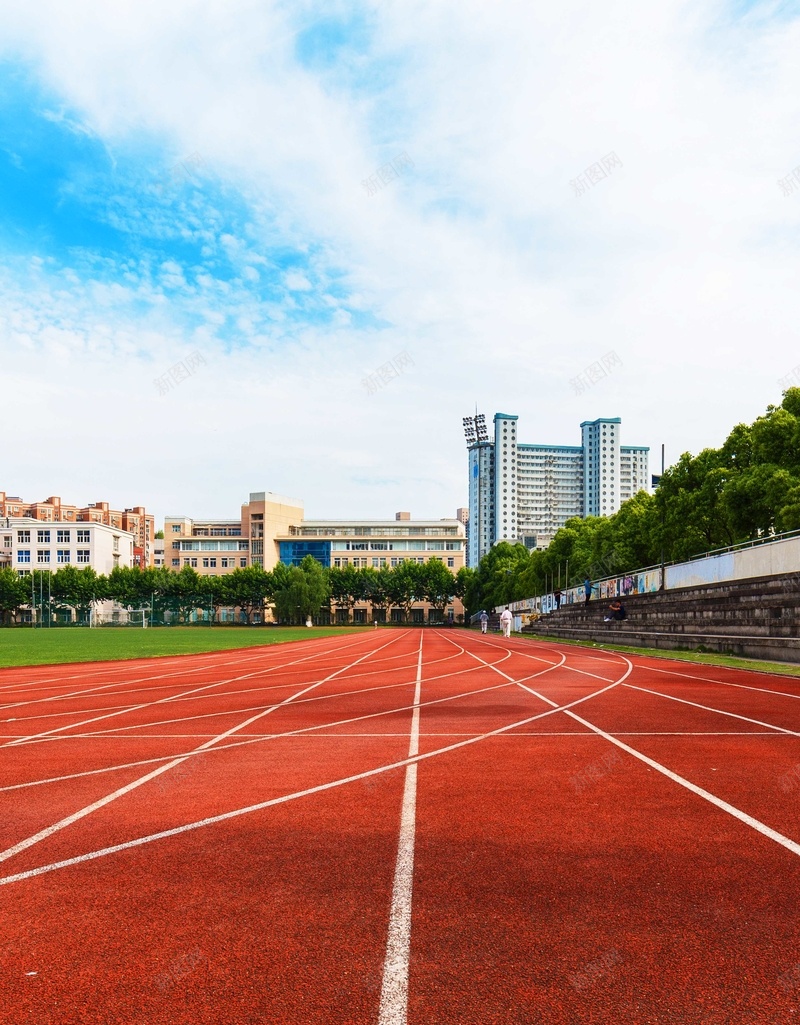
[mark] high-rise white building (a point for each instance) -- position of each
(520, 492)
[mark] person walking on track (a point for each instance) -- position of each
(505, 622)
(484, 622)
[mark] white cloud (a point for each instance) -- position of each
(479, 260)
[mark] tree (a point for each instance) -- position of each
(248, 589)
(468, 590)
(439, 586)
(184, 593)
(78, 589)
(14, 593)
(376, 587)
(302, 592)
(405, 585)
(347, 586)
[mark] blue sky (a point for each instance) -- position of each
(291, 199)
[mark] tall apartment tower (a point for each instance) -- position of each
(520, 492)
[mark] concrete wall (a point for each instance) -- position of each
(756, 618)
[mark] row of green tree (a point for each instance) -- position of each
(292, 592)
(748, 488)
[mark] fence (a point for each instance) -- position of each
(762, 557)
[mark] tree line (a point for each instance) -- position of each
(748, 488)
(292, 593)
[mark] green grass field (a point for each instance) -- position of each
(19, 647)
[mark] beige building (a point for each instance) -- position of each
(272, 529)
(135, 520)
(217, 547)
(372, 544)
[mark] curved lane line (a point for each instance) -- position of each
(43, 834)
(320, 788)
(716, 711)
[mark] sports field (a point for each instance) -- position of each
(29, 647)
(430, 827)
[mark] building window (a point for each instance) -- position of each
(43, 537)
(62, 537)
(243, 563)
(23, 537)
(194, 563)
(176, 562)
(24, 555)
(43, 555)
(451, 563)
(176, 528)
(223, 563)
(83, 537)
(83, 553)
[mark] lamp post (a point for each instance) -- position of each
(663, 526)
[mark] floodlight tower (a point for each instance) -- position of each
(480, 451)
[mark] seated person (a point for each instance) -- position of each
(616, 610)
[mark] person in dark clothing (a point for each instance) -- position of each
(616, 610)
(557, 597)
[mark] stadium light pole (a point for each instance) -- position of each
(477, 434)
(663, 526)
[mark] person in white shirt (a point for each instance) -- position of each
(505, 622)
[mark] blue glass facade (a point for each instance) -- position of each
(293, 552)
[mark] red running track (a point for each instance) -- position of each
(432, 828)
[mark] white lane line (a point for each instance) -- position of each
(716, 711)
(226, 695)
(122, 791)
(728, 683)
(572, 669)
(320, 788)
(737, 813)
(302, 731)
(185, 669)
(730, 809)
(394, 991)
(171, 698)
(192, 695)
(49, 738)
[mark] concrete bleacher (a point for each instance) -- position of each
(756, 618)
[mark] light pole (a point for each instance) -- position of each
(663, 526)
(477, 436)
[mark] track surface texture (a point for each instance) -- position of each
(432, 828)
